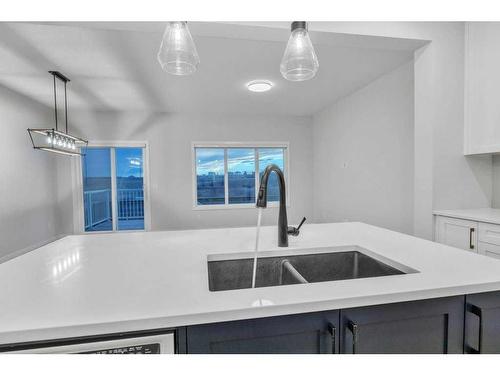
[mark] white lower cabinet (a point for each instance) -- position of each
(479, 237)
(489, 240)
(457, 233)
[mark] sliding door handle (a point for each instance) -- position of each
(471, 233)
(333, 335)
(473, 309)
(353, 327)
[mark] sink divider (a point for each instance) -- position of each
(295, 274)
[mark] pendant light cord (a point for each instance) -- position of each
(66, 107)
(65, 80)
(55, 99)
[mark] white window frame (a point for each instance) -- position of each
(225, 145)
(77, 178)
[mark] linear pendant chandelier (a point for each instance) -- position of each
(52, 139)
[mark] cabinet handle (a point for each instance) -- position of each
(333, 335)
(353, 327)
(471, 233)
(473, 309)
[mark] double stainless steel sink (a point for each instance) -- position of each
(316, 265)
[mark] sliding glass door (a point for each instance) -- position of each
(97, 187)
(113, 189)
(129, 188)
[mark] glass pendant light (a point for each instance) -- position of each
(299, 62)
(177, 54)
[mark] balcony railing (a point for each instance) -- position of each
(98, 208)
(130, 204)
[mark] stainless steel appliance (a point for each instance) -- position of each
(159, 342)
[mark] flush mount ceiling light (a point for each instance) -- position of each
(52, 139)
(259, 85)
(299, 62)
(177, 54)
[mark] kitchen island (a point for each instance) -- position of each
(99, 284)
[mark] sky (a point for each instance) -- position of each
(239, 159)
(97, 162)
(129, 160)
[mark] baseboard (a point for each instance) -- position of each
(27, 249)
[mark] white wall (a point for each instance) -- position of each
(170, 137)
(444, 178)
(459, 181)
(28, 178)
(363, 155)
(496, 182)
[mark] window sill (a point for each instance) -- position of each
(232, 206)
(115, 231)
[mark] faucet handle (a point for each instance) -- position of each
(302, 222)
(292, 231)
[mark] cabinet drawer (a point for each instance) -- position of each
(489, 249)
(489, 233)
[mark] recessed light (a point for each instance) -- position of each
(259, 85)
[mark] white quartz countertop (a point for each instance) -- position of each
(485, 215)
(105, 283)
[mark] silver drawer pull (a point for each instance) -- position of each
(353, 327)
(333, 335)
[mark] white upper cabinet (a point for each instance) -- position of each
(482, 88)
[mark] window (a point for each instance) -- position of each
(241, 175)
(97, 202)
(229, 174)
(271, 156)
(113, 189)
(210, 175)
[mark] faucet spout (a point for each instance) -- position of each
(262, 201)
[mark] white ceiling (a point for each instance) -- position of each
(113, 66)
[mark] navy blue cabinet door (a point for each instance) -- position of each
(299, 334)
(482, 323)
(427, 326)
